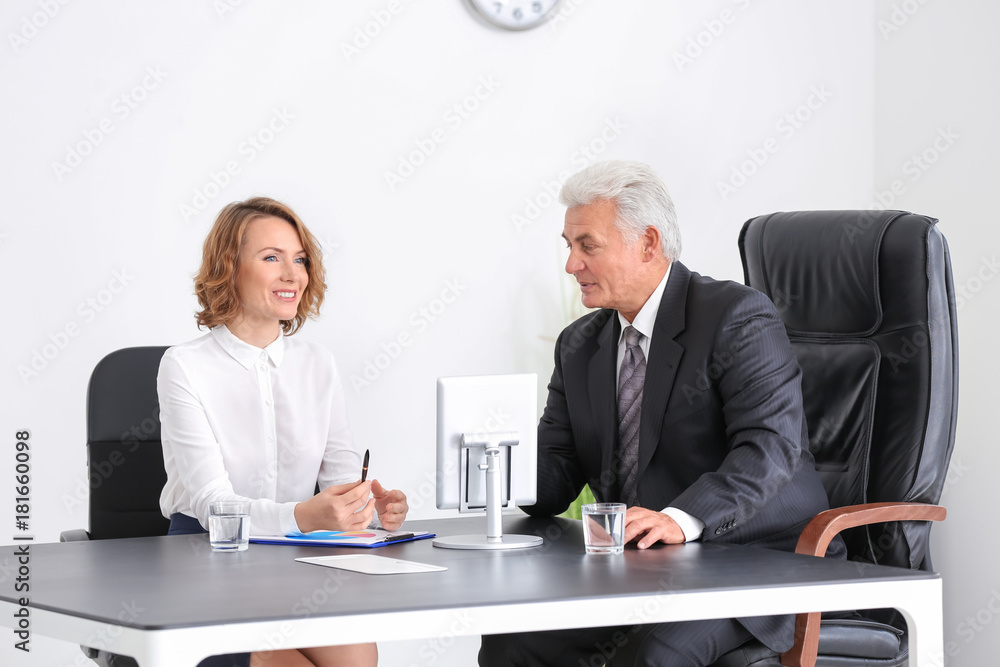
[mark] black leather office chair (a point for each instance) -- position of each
(868, 300)
(124, 456)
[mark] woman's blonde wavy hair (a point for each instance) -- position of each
(215, 283)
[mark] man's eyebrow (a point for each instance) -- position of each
(586, 236)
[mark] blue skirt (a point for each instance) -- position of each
(182, 524)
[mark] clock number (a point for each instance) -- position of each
(515, 14)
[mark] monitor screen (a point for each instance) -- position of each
(476, 407)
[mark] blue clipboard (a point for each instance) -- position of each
(367, 539)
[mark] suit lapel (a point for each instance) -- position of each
(603, 393)
(661, 366)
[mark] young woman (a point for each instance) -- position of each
(248, 412)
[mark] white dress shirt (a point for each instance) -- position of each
(242, 422)
(643, 323)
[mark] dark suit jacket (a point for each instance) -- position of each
(722, 430)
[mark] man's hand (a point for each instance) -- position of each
(341, 507)
(390, 505)
(652, 526)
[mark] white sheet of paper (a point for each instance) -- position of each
(371, 564)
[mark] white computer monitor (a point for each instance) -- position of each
(487, 452)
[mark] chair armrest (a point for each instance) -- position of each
(75, 535)
(816, 537)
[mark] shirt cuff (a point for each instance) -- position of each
(286, 518)
(690, 526)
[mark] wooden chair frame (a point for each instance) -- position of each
(817, 537)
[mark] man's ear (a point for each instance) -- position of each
(652, 244)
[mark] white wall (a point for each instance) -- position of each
(608, 77)
(936, 77)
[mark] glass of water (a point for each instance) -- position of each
(229, 525)
(604, 528)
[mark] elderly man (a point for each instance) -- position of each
(681, 398)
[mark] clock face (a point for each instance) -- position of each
(516, 14)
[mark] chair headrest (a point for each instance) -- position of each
(835, 286)
(122, 405)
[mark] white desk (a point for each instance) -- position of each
(169, 601)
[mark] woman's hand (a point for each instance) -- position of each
(341, 507)
(390, 505)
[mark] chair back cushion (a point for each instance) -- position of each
(868, 300)
(124, 456)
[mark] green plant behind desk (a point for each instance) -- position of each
(573, 511)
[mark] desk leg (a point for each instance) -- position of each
(925, 625)
(164, 652)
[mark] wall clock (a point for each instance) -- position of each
(516, 14)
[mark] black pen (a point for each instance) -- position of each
(398, 537)
(364, 467)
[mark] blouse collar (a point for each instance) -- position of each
(245, 353)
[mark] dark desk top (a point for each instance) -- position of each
(177, 582)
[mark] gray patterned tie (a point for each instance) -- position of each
(630, 381)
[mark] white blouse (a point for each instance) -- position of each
(241, 422)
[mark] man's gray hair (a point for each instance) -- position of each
(641, 200)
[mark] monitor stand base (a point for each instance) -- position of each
(483, 542)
